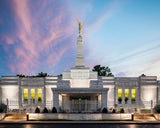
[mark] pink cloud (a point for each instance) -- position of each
(12, 68)
(34, 41)
(8, 40)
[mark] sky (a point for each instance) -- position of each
(41, 35)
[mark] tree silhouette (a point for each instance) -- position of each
(102, 70)
(42, 74)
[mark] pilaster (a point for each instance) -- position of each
(129, 100)
(123, 96)
(56, 100)
(104, 100)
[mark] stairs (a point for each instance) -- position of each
(147, 117)
(15, 117)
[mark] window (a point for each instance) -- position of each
(33, 95)
(126, 95)
(25, 94)
(119, 96)
(133, 91)
(39, 95)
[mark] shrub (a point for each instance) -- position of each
(113, 111)
(135, 109)
(1, 110)
(45, 110)
(54, 110)
(105, 110)
(3, 107)
(37, 110)
(157, 109)
(121, 110)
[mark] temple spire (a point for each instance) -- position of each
(79, 59)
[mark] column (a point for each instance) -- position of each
(44, 95)
(115, 96)
(104, 100)
(36, 95)
(157, 96)
(20, 96)
(137, 96)
(123, 96)
(56, 100)
(130, 96)
(0, 95)
(29, 96)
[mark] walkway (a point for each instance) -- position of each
(15, 117)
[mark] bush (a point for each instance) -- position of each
(54, 110)
(37, 110)
(1, 110)
(135, 109)
(113, 111)
(3, 107)
(105, 110)
(45, 110)
(157, 109)
(121, 110)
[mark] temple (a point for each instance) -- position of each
(79, 90)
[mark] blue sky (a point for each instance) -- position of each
(41, 35)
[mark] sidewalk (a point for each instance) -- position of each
(80, 122)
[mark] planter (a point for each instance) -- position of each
(157, 116)
(2, 115)
(63, 116)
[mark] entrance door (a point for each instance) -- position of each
(79, 104)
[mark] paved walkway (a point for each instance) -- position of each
(15, 117)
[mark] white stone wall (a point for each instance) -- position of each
(148, 93)
(11, 93)
(125, 116)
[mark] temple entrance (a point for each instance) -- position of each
(80, 102)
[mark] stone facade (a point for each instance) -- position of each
(79, 90)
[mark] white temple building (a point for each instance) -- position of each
(79, 90)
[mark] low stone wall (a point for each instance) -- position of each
(157, 116)
(2, 115)
(99, 116)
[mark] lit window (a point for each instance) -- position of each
(25, 96)
(133, 91)
(126, 95)
(119, 96)
(33, 95)
(39, 96)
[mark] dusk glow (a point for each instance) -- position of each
(41, 35)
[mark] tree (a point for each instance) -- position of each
(37, 110)
(54, 110)
(102, 70)
(20, 75)
(143, 75)
(45, 110)
(105, 110)
(42, 74)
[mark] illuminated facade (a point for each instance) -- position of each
(79, 90)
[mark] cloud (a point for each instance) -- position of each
(120, 74)
(38, 35)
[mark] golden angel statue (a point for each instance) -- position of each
(80, 26)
